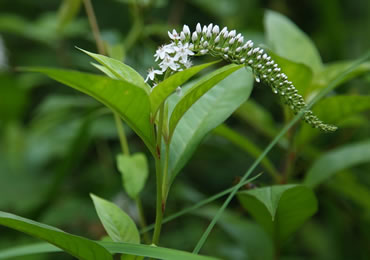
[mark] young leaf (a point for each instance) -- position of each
(113, 248)
(288, 41)
(280, 209)
(119, 226)
(169, 85)
(120, 70)
(67, 12)
(338, 159)
(134, 171)
(128, 100)
(197, 91)
(78, 247)
(208, 112)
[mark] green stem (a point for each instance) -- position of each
(121, 134)
(165, 172)
(142, 219)
(158, 170)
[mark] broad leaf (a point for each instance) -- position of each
(336, 160)
(120, 70)
(119, 226)
(197, 91)
(288, 41)
(134, 172)
(169, 85)
(128, 100)
(336, 110)
(78, 247)
(113, 248)
(208, 112)
(280, 209)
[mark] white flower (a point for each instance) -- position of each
(216, 29)
(194, 37)
(199, 28)
(163, 51)
(169, 62)
(174, 35)
(182, 52)
(188, 64)
(151, 74)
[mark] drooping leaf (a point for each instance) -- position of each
(338, 159)
(197, 91)
(288, 41)
(169, 85)
(134, 172)
(120, 70)
(280, 209)
(112, 247)
(77, 246)
(119, 226)
(128, 100)
(208, 112)
(336, 109)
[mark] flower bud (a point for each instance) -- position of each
(199, 28)
(194, 37)
(216, 29)
(186, 29)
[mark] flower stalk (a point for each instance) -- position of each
(231, 47)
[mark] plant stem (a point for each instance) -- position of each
(158, 170)
(142, 219)
(94, 26)
(121, 134)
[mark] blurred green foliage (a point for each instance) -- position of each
(57, 145)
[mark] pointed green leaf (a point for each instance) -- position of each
(338, 159)
(128, 100)
(207, 113)
(134, 171)
(288, 41)
(169, 85)
(120, 70)
(113, 248)
(280, 209)
(119, 226)
(78, 247)
(197, 91)
(67, 12)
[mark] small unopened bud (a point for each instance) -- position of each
(217, 39)
(204, 31)
(238, 49)
(241, 39)
(182, 36)
(209, 34)
(223, 30)
(216, 29)
(186, 29)
(205, 44)
(199, 28)
(232, 33)
(194, 37)
(210, 27)
(232, 40)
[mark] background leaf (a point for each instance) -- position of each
(128, 100)
(68, 11)
(280, 209)
(134, 172)
(207, 113)
(288, 41)
(338, 159)
(196, 92)
(119, 226)
(79, 247)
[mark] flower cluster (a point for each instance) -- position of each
(230, 46)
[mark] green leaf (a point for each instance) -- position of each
(120, 70)
(280, 209)
(336, 110)
(128, 100)
(299, 73)
(288, 41)
(113, 248)
(67, 12)
(119, 226)
(332, 70)
(208, 112)
(134, 172)
(77, 246)
(169, 85)
(197, 91)
(336, 160)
